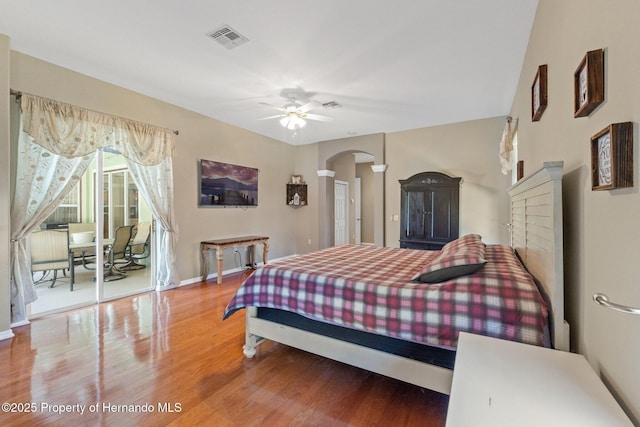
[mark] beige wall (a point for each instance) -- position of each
(200, 137)
(5, 196)
(601, 227)
(468, 150)
(307, 217)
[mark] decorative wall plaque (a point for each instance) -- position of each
(539, 93)
(612, 157)
(589, 83)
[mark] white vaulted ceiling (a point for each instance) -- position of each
(390, 65)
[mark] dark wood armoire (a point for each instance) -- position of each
(429, 210)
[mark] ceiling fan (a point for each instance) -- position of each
(295, 113)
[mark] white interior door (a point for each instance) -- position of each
(341, 212)
(358, 211)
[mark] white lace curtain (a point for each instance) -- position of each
(55, 145)
(506, 145)
(155, 183)
(42, 181)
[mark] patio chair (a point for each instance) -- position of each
(138, 248)
(117, 251)
(50, 253)
(112, 253)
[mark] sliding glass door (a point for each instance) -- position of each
(111, 252)
(124, 213)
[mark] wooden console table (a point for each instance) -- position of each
(232, 242)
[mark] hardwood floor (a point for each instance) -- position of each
(168, 359)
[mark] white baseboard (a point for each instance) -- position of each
(5, 335)
(210, 276)
(230, 271)
(20, 323)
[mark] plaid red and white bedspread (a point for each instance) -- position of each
(369, 288)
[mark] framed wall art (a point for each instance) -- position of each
(612, 157)
(227, 185)
(588, 83)
(520, 170)
(539, 93)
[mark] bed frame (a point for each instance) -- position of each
(536, 229)
(536, 235)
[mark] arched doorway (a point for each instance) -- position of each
(337, 161)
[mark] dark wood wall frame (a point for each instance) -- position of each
(612, 157)
(520, 170)
(539, 93)
(588, 83)
(299, 190)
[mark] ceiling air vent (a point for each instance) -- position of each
(228, 37)
(331, 104)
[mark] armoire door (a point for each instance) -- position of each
(440, 216)
(429, 211)
(416, 215)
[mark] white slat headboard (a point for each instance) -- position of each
(536, 234)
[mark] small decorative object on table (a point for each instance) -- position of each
(612, 157)
(296, 179)
(588, 83)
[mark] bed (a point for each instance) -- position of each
(367, 306)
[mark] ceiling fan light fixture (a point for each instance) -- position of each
(295, 113)
(293, 122)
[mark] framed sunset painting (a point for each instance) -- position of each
(227, 185)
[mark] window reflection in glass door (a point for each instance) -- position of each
(132, 202)
(114, 201)
(123, 206)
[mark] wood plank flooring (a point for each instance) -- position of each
(168, 359)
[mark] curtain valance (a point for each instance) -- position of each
(71, 131)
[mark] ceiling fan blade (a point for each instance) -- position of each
(272, 117)
(318, 117)
(309, 106)
(271, 106)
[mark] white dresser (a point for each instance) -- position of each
(502, 383)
